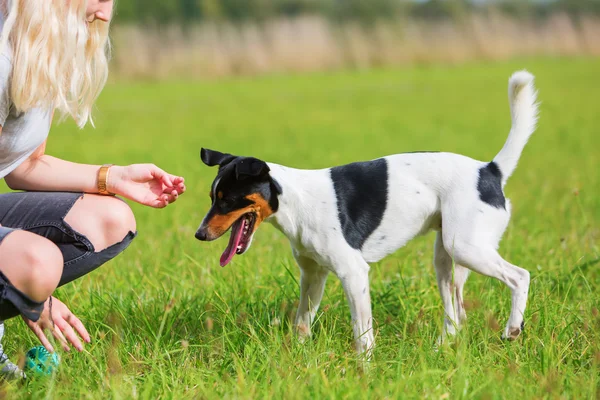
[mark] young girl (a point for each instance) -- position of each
(63, 222)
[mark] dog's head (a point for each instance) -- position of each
(243, 195)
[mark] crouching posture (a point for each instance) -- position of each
(63, 222)
(339, 219)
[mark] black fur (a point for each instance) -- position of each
(238, 178)
(242, 166)
(212, 158)
(361, 190)
(489, 186)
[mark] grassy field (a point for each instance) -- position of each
(168, 322)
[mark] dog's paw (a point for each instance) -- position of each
(441, 340)
(302, 332)
(511, 334)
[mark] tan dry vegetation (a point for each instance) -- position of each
(312, 43)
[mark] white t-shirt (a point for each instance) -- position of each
(22, 133)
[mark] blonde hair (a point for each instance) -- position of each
(60, 61)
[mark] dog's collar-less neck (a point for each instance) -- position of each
(292, 200)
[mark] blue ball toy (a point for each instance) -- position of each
(40, 362)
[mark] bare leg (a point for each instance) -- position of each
(104, 220)
(32, 263)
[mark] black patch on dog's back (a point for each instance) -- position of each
(489, 185)
(361, 190)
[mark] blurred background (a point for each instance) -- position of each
(215, 38)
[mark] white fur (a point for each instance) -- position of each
(524, 114)
(427, 191)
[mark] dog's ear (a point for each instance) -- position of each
(212, 157)
(250, 167)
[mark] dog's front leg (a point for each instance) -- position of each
(355, 280)
(312, 284)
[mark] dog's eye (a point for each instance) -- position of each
(225, 200)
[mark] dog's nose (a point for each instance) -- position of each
(201, 234)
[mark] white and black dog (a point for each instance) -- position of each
(339, 219)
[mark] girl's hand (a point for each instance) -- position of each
(64, 328)
(146, 184)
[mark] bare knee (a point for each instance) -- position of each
(45, 269)
(104, 220)
(117, 221)
(32, 264)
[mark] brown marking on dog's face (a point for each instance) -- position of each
(242, 186)
(261, 208)
(218, 224)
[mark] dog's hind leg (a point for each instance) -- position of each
(443, 270)
(460, 278)
(486, 261)
(312, 285)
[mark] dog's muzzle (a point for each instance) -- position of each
(202, 234)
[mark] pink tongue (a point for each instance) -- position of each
(234, 241)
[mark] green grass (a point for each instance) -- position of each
(168, 322)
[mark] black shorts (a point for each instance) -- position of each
(43, 213)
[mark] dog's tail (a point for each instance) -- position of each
(524, 114)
